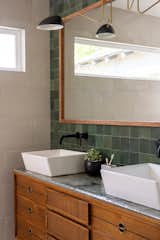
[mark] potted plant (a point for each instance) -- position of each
(93, 161)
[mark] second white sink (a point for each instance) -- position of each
(54, 162)
(136, 183)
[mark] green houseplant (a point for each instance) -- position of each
(93, 161)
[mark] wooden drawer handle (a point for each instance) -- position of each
(30, 210)
(29, 189)
(122, 227)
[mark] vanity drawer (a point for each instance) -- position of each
(51, 238)
(106, 231)
(30, 189)
(31, 211)
(27, 231)
(64, 229)
(99, 236)
(136, 224)
(69, 206)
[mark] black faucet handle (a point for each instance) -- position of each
(158, 148)
(84, 135)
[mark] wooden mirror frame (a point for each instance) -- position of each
(61, 80)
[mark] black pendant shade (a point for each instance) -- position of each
(51, 24)
(105, 31)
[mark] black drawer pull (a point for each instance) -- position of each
(29, 189)
(29, 210)
(122, 227)
(30, 231)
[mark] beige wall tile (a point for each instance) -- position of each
(24, 102)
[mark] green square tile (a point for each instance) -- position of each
(155, 133)
(124, 144)
(99, 141)
(107, 142)
(92, 129)
(134, 145)
(135, 131)
(147, 146)
(99, 129)
(91, 140)
(145, 132)
(107, 130)
(120, 131)
(116, 143)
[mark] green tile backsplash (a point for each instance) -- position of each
(130, 144)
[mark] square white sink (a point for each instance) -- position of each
(136, 183)
(55, 162)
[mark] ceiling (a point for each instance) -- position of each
(155, 11)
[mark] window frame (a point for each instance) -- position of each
(19, 34)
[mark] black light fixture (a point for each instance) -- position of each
(106, 30)
(51, 24)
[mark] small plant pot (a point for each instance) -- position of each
(92, 168)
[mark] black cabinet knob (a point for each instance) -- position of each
(122, 227)
(30, 210)
(30, 231)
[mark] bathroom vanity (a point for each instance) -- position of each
(75, 207)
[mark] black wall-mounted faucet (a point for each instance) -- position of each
(76, 135)
(158, 148)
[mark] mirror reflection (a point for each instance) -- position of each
(97, 58)
(114, 81)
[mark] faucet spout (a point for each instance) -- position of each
(67, 136)
(76, 135)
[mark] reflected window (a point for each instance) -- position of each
(97, 58)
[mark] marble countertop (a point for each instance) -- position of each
(93, 187)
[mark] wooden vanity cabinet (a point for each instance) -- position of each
(111, 222)
(43, 213)
(48, 212)
(30, 210)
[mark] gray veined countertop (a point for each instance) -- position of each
(93, 187)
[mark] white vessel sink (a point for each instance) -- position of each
(136, 183)
(54, 162)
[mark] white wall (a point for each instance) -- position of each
(24, 101)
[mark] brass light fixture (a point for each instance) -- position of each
(106, 30)
(130, 4)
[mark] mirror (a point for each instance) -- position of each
(110, 82)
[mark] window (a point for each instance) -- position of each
(12, 49)
(97, 58)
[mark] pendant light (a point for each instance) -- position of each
(106, 30)
(51, 24)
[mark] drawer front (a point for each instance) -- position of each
(68, 206)
(31, 211)
(136, 224)
(99, 236)
(30, 189)
(64, 229)
(27, 231)
(51, 238)
(106, 231)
